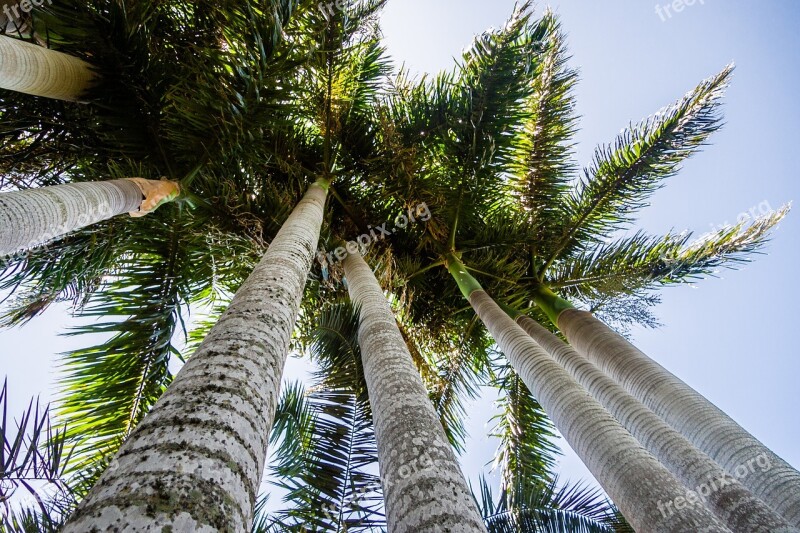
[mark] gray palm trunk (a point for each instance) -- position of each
(34, 216)
(723, 494)
(196, 461)
(712, 431)
(35, 70)
(634, 479)
(424, 488)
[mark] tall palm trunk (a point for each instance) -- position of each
(706, 426)
(723, 494)
(35, 216)
(424, 487)
(31, 69)
(635, 480)
(196, 461)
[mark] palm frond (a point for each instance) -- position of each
(548, 508)
(543, 164)
(326, 461)
(624, 175)
(642, 262)
(33, 453)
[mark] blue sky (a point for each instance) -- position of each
(730, 338)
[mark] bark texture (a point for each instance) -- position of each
(712, 431)
(31, 69)
(35, 216)
(424, 488)
(641, 487)
(195, 462)
(723, 494)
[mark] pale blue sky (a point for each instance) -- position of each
(730, 337)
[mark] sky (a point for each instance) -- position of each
(728, 337)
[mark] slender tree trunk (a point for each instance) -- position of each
(642, 487)
(424, 487)
(34, 216)
(723, 494)
(31, 69)
(743, 456)
(196, 461)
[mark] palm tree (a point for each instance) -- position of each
(639, 484)
(424, 488)
(214, 420)
(730, 501)
(768, 476)
(36, 216)
(257, 153)
(524, 226)
(35, 70)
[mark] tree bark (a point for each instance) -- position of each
(196, 461)
(424, 488)
(642, 488)
(34, 216)
(741, 455)
(723, 494)
(31, 69)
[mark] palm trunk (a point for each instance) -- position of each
(34, 216)
(741, 455)
(195, 462)
(723, 494)
(642, 487)
(31, 69)
(424, 488)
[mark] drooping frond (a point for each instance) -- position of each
(327, 462)
(623, 176)
(550, 509)
(108, 388)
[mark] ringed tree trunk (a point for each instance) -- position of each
(31, 69)
(641, 486)
(34, 216)
(739, 453)
(196, 461)
(722, 493)
(424, 488)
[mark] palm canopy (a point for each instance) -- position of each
(267, 100)
(494, 165)
(525, 226)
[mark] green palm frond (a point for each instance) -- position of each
(327, 462)
(548, 508)
(642, 262)
(624, 175)
(108, 388)
(543, 164)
